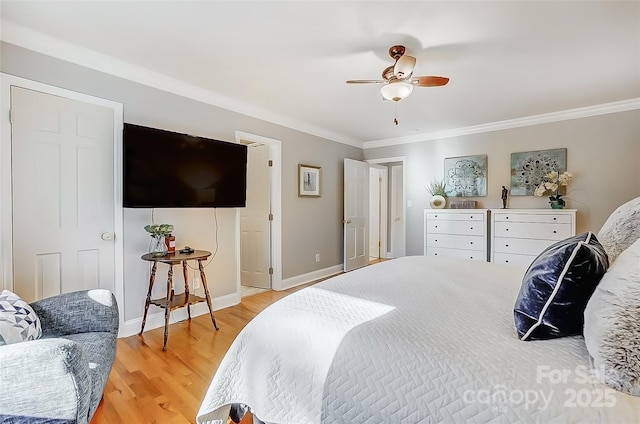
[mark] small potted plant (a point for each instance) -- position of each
(158, 232)
(551, 183)
(438, 191)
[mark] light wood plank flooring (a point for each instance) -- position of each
(147, 385)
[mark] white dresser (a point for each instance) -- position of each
(519, 235)
(458, 233)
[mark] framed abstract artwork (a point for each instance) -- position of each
(308, 181)
(528, 168)
(466, 176)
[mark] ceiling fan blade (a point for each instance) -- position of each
(365, 82)
(404, 66)
(429, 81)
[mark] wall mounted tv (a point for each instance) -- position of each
(164, 169)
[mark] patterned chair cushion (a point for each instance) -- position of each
(18, 321)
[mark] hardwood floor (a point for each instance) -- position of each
(147, 385)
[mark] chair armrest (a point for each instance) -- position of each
(78, 312)
(45, 378)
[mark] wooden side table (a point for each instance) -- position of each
(171, 302)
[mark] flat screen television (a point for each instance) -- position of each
(164, 169)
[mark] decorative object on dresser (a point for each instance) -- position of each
(466, 176)
(519, 235)
(463, 204)
(438, 191)
(458, 233)
(503, 195)
(528, 169)
(553, 183)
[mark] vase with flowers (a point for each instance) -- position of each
(158, 232)
(438, 191)
(551, 184)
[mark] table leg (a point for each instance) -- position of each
(148, 301)
(206, 292)
(167, 308)
(185, 274)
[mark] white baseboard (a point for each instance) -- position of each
(288, 283)
(155, 318)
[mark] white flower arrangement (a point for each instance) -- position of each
(551, 183)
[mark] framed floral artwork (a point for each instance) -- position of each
(529, 168)
(466, 176)
(308, 181)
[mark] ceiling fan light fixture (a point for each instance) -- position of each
(396, 90)
(404, 66)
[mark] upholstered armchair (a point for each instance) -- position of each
(60, 377)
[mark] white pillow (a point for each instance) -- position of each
(18, 321)
(621, 229)
(612, 323)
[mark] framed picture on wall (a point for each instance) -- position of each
(466, 176)
(308, 181)
(528, 168)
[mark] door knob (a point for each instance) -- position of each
(107, 236)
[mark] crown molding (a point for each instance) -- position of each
(545, 118)
(41, 43)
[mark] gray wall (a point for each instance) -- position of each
(309, 225)
(603, 153)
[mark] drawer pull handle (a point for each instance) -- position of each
(506, 229)
(506, 245)
(436, 240)
(472, 228)
(554, 231)
(507, 218)
(471, 242)
(554, 218)
(507, 261)
(435, 254)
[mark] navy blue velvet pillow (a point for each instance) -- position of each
(557, 286)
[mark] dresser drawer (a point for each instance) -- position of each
(520, 246)
(532, 230)
(444, 216)
(476, 228)
(473, 255)
(533, 217)
(511, 259)
(455, 241)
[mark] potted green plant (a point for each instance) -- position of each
(158, 232)
(438, 191)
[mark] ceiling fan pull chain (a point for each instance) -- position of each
(395, 113)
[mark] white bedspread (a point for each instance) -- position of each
(411, 340)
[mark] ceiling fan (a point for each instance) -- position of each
(398, 78)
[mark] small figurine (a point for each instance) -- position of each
(505, 192)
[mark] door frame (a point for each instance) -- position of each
(403, 160)
(6, 201)
(275, 153)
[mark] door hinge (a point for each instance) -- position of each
(270, 217)
(379, 243)
(10, 116)
(270, 270)
(270, 162)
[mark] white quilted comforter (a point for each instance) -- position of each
(412, 340)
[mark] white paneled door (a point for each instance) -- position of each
(63, 194)
(397, 212)
(356, 214)
(255, 226)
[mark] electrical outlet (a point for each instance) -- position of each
(196, 281)
(317, 257)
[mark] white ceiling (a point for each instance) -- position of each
(288, 61)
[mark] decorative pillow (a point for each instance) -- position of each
(18, 321)
(557, 286)
(621, 229)
(612, 324)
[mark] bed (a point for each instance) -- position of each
(410, 340)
